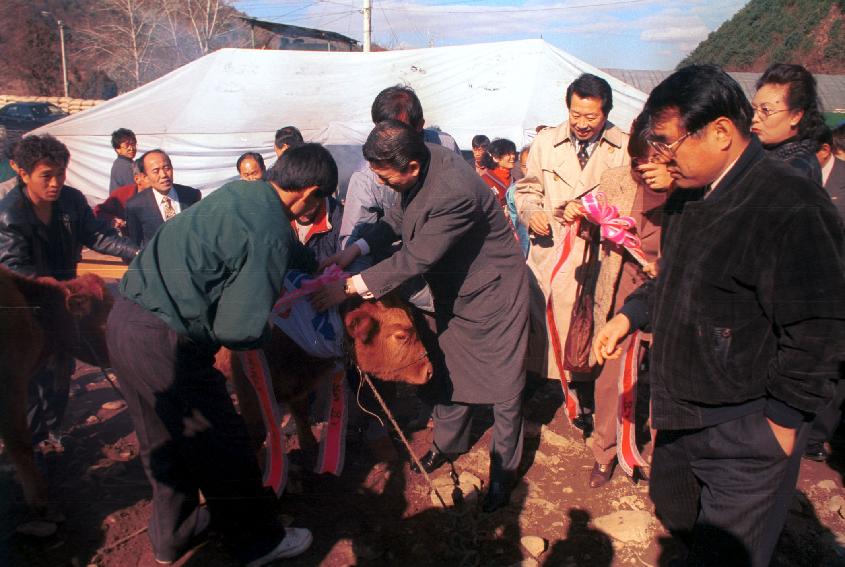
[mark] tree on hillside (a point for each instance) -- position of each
(194, 27)
(124, 35)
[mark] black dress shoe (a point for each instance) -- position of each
(498, 495)
(816, 452)
(601, 474)
(432, 461)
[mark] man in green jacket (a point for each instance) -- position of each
(209, 278)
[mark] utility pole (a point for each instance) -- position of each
(62, 42)
(368, 25)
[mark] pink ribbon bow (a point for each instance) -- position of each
(613, 227)
(331, 274)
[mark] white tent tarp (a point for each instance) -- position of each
(212, 110)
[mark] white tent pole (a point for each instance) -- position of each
(368, 24)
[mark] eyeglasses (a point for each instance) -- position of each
(670, 150)
(765, 112)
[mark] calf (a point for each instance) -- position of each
(40, 318)
(382, 339)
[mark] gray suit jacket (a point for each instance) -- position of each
(835, 186)
(456, 236)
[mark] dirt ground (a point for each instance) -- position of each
(381, 513)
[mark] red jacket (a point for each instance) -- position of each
(115, 205)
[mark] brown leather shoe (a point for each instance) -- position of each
(601, 473)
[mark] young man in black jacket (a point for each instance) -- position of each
(43, 226)
(748, 317)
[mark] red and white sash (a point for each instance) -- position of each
(626, 419)
(333, 440)
(554, 335)
(255, 368)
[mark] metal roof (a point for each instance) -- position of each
(831, 87)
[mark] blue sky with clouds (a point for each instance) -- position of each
(628, 34)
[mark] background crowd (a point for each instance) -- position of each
(729, 267)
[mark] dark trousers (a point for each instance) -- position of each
(452, 434)
(190, 436)
(829, 417)
(725, 490)
(47, 396)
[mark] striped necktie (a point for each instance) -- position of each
(169, 211)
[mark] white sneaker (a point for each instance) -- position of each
(295, 542)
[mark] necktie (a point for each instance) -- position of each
(583, 156)
(169, 211)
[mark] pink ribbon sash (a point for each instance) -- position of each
(333, 441)
(255, 368)
(554, 335)
(626, 432)
(614, 227)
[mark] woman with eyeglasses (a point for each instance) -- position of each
(787, 117)
(640, 191)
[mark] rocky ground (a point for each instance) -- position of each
(379, 513)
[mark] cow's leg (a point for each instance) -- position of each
(16, 367)
(299, 412)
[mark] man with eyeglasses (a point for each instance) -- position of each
(565, 162)
(748, 319)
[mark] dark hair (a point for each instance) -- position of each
(701, 94)
(398, 103)
(824, 135)
(304, 166)
(480, 141)
(497, 149)
(259, 159)
(122, 135)
(394, 144)
(802, 94)
(289, 136)
(590, 86)
(838, 135)
(638, 140)
(144, 156)
(34, 149)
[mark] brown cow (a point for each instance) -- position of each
(40, 318)
(384, 342)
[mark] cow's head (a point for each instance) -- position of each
(386, 343)
(88, 302)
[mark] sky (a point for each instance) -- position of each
(624, 34)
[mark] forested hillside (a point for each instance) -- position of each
(808, 32)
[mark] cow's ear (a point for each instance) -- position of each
(360, 326)
(78, 305)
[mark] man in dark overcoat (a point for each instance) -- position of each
(453, 234)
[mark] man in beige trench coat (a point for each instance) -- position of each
(565, 162)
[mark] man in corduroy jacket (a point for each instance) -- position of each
(748, 318)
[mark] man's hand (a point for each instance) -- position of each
(605, 344)
(656, 176)
(652, 269)
(784, 435)
(342, 259)
(330, 295)
(539, 224)
(572, 211)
